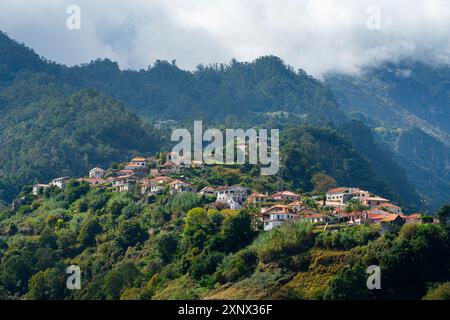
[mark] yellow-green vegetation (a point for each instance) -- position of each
(439, 292)
(312, 283)
(179, 247)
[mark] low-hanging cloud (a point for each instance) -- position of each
(315, 35)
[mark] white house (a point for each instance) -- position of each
(375, 201)
(276, 216)
(139, 162)
(233, 204)
(285, 196)
(170, 168)
(257, 197)
(60, 182)
(237, 193)
(124, 184)
(316, 218)
(208, 191)
(97, 173)
(157, 185)
(179, 186)
(343, 194)
(38, 188)
(392, 208)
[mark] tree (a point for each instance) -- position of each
(167, 245)
(89, 230)
(444, 213)
(355, 205)
(47, 285)
(119, 279)
(196, 219)
(322, 182)
(439, 292)
(237, 231)
(131, 233)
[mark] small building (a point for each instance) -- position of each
(93, 182)
(60, 182)
(285, 196)
(97, 173)
(374, 201)
(124, 184)
(297, 205)
(392, 208)
(257, 197)
(180, 186)
(170, 168)
(237, 193)
(412, 218)
(139, 162)
(276, 216)
(316, 218)
(392, 223)
(39, 188)
(156, 185)
(342, 195)
(208, 191)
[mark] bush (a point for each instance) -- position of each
(131, 233)
(167, 244)
(287, 240)
(438, 292)
(347, 238)
(237, 266)
(89, 230)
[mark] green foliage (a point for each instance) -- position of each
(167, 245)
(47, 285)
(288, 240)
(130, 233)
(438, 292)
(347, 238)
(355, 205)
(119, 279)
(183, 202)
(322, 182)
(237, 266)
(89, 230)
(444, 214)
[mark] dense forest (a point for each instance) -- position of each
(178, 247)
(407, 104)
(62, 121)
(263, 93)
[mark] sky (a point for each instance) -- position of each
(318, 36)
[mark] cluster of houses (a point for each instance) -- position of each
(274, 210)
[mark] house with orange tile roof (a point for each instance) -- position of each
(180, 186)
(342, 195)
(285, 196)
(125, 183)
(257, 197)
(392, 223)
(392, 208)
(276, 216)
(94, 181)
(139, 162)
(375, 201)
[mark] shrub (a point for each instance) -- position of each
(237, 266)
(290, 239)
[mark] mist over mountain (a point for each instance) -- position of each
(265, 92)
(408, 106)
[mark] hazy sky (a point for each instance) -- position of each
(316, 35)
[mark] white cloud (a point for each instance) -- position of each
(316, 35)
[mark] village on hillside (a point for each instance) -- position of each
(339, 206)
